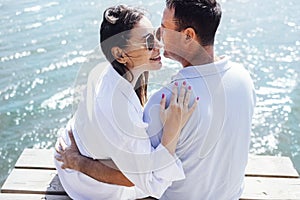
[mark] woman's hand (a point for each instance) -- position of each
(176, 115)
(68, 155)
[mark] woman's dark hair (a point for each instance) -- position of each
(203, 16)
(115, 32)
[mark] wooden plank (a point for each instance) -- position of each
(36, 159)
(266, 166)
(264, 188)
(42, 181)
(5, 196)
(271, 166)
(33, 181)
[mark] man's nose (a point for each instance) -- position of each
(158, 44)
(158, 38)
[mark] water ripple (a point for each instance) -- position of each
(43, 44)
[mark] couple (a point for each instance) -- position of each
(200, 151)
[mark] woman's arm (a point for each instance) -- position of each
(174, 118)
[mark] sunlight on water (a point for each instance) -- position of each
(47, 49)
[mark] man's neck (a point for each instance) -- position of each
(204, 55)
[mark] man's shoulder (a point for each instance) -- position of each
(240, 71)
(237, 66)
(155, 97)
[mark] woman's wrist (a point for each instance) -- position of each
(169, 141)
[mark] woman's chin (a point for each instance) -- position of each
(155, 65)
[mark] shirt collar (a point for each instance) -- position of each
(121, 83)
(203, 70)
(124, 87)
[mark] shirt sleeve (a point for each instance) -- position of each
(151, 169)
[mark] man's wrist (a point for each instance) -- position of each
(80, 160)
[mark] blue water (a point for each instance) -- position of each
(47, 48)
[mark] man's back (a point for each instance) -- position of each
(214, 144)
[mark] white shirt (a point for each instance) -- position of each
(108, 124)
(214, 144)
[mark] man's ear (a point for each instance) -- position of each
(119, 54)
(190, 34)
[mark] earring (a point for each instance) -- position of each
(125, 64)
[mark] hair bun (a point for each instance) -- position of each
(214, 2)
(109, 16)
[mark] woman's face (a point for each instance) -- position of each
(143, 47)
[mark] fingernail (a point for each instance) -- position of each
(184, 83)
(176, 83)
(163, 96)
(190, 87)
(198, 98)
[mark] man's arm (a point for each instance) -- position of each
(151, 170)
(72, 159)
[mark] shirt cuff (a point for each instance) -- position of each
(170, 167)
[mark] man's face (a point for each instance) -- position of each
(171, 38)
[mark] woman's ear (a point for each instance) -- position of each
(119, 55)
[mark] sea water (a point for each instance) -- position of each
(47, 48)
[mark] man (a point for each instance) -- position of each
(213, 146)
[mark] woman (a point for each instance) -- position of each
(108, 123)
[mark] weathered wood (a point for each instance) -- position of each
(271, 166)
(35, 177)
(271, 188)
(33, 181)
(265, 166)
(36, 159)
(4, 196)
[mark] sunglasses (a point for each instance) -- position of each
(150, 39)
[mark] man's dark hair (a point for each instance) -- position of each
(202, 15)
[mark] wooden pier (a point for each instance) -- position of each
(34, 177)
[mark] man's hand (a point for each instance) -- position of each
(68, 155)
(71, 158)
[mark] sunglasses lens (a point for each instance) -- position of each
(150, 42)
